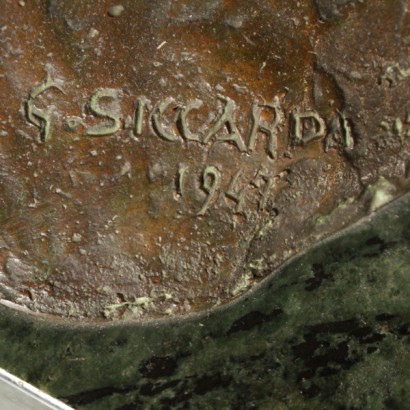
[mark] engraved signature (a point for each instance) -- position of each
(304, 125)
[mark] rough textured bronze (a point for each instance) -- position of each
(160, 157)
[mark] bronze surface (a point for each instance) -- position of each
(161, 157)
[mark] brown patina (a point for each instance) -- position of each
(161, 157)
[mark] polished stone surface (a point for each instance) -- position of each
(330, 330)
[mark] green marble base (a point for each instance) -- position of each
(331, 330)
